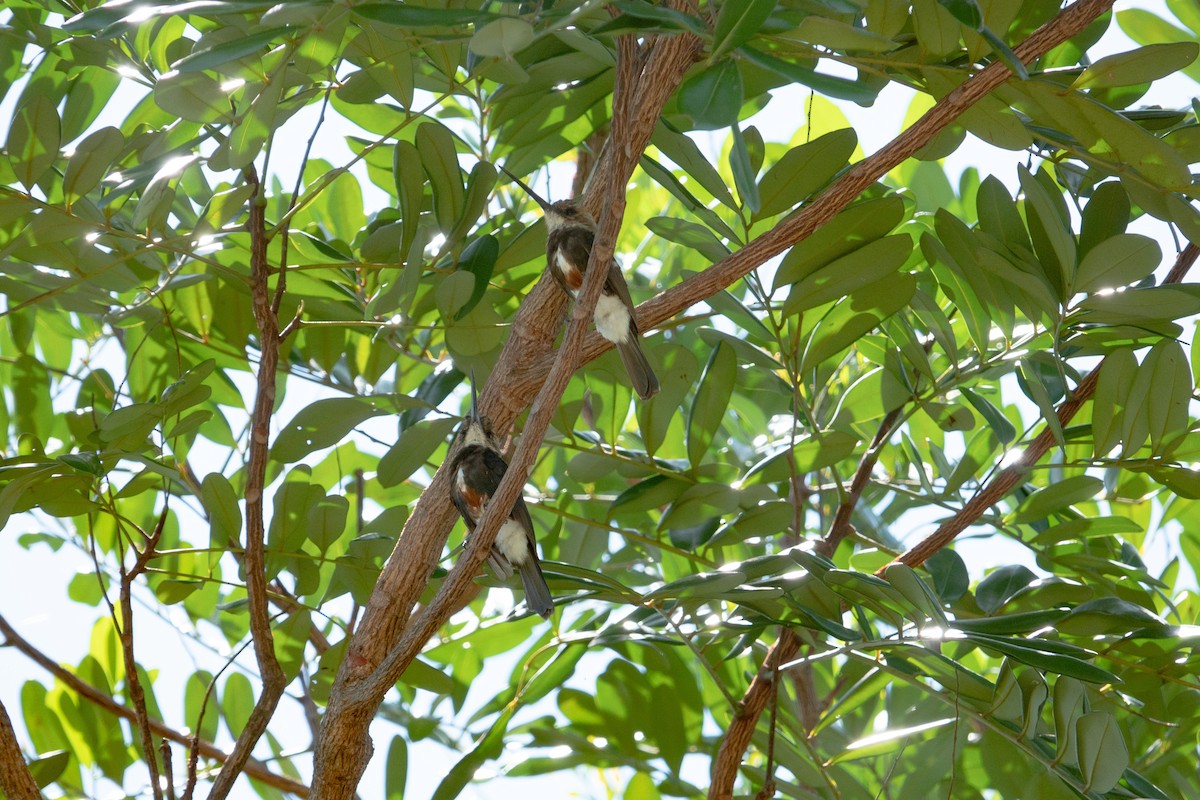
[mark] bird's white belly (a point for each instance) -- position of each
(612, 318)
(512, 543)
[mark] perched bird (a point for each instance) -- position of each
(476, 472)
(570, 232)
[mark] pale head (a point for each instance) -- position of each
(562, 214)
(568, 214)
(476, 429)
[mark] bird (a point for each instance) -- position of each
(475, 474)
(571, 230)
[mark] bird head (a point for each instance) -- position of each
(475, 429)
(560, 214)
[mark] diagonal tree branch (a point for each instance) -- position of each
(274, 681)
(103, 700)
(387, 631)
(15, 779)
(1007, 479)
(841, 193)
(851, 184)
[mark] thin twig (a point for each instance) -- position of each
(768, 790)
(133, 682)
(797, 227)
(164, 748)
(274, 681)
(101, 699)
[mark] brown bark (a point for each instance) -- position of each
(861, 176)
(253, 560)
(1008, 478)
(390, 636)
(15, 779)
(102, 700)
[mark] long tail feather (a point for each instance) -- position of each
(644, 381)
(537, 593)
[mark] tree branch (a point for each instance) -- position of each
(253, 561)
(344, 747)
(1008, 478)
(857, 179)
(793, 229)
(132, 680)
(15, 778)
(95, 696)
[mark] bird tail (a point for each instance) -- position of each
(537, 593)
(644, 381)
(499, 564)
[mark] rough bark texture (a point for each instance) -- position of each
(390, 635)
(15, 780)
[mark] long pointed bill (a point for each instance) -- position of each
(474, 417)
(537, 198)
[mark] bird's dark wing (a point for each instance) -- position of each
(615, 284)
(496, 467)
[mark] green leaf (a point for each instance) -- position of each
(1000, 585)
(965, 11)
(743, 173)
(705, 584)
(1101, 749)
(396, 769)
(1052, 239)
(410, 16)
(1109, 401)
(870, 263)
(689, 234)
(34, 138)
(684, 152)
(1058, 495)
(237, 702)
(224, 514)
(501, 38)
(1107, 616)
(1139, 306)
(322, 424)
(327, 522)
(862, 92)
(1143, 65)
(478, 259)
(842, 37)
(47, 767)
(91, 161)
(890, 741)
(414, 447)
(713, 98)
(640, 15)
(803, 170)
(999, 424)
(1118, 261)
(439, 157)
(737, 23)
(858, 225)
(220, 54)
(712, 398)
(1045, 655)
(853, 317)
(1167, 403)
